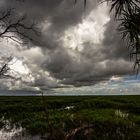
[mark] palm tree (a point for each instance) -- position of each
(127, 12)
(85, 1)
(123, 5)
(130, 29)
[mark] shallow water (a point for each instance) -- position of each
(17, 134)
(14, 133)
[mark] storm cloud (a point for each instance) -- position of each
(76, 46)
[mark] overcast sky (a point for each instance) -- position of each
(76, 47)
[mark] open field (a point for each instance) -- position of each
(75, 117)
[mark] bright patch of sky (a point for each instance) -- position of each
(90, 30)
(17, 65)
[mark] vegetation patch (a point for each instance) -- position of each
(83, 117)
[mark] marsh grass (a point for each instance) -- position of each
(90, 117)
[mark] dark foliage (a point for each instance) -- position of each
(98, 118)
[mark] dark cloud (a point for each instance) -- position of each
(93, 63)
(115, 46)
(61, 15)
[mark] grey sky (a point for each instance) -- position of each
(77, 46)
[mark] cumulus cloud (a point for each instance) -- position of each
(76, 46)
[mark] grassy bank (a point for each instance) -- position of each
(79, 117)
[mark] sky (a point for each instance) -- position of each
(77, 47)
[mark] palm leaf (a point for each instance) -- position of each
(120, 5)
(85, 2)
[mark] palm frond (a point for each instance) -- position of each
(120, 5)
(130, 28)
(75, 1)
(130, 25)
(85, 2)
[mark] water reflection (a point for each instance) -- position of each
(17, 134)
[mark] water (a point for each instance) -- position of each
(17, 134)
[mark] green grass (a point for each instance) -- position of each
(110, 117)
